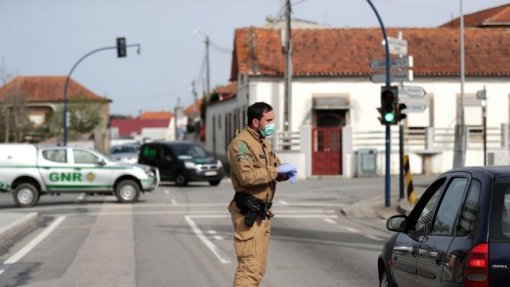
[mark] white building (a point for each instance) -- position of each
(334, 103)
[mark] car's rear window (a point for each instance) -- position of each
(500, 213)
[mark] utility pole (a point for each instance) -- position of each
(288, 71)
(207, 66)
(459, 153)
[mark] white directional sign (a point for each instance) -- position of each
(411, 92)
(414, 107)
(404, 76)
(397, 46)
(404, 62)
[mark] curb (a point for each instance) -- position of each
(17, 226)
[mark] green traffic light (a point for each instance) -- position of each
(389, 117)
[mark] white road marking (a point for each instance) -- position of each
(214, 249)
(212, 232)
(173, 201)
(329, 220)
(283, 202)
(354, 230)
(218, 237)
(32, 244)
(374, 237)
(166, 191)
(80, 197)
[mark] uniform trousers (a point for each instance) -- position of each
(251, 245)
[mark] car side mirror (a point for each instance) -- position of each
(397, 223)
(101, 162)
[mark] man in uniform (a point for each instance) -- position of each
(255, 169)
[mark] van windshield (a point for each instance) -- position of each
(189, 151)
(500, 213)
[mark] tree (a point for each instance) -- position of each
(84, 118)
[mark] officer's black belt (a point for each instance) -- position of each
(251, 207)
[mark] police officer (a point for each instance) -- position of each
(255, 169)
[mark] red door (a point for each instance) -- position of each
(326, 151)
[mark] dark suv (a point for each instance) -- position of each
(182, 162)
(458, 234)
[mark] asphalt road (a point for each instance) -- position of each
(183, 237)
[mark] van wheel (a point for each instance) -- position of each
(25, 195)
(127, 191)
(180, 180)
(214, 182)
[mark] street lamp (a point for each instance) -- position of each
(122, 42)
(459, 154)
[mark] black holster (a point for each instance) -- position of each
(251, 207)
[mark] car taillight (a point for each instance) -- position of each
(476, 272)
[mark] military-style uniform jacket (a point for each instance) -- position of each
(253, 164)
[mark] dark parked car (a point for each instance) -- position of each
(458, 234)
(182, 162)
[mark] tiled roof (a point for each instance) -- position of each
(129, 126)
(193, 108)
(227, 91)
(48, 89)
(348, 52)
(493, 17)
(162, 115)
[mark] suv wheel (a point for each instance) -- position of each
(384, 281)
(214, 182)
(25, 195)
(127, 191)
(180, 180)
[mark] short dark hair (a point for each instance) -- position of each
(257, 110)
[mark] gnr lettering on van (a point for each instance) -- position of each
(65, 176)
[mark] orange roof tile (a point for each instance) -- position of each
(348, 52)
(193, 108)
(48, 89)
(493, 17)
(162, 115)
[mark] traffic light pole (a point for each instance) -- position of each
(387, 186)
(64, 142)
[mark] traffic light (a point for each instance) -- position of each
(389, 105)
(121, 47)
(400, 114)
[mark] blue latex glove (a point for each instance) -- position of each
(293, 177)
(286, 168)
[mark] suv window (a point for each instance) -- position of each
(56, 155)
(470, 210)
(149, 152)
(449, 207)
(500, 213)
(189, 151)
(81, 156)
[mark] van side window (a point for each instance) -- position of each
(56, 155)
(149, 152)
(500, 213)
(470, 209)
(449, 207)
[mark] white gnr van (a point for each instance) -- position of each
(29, 171)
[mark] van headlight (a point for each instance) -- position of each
(218, 162)
(149, 172)
(189, 165)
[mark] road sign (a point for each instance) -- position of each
(404, 62)
(404, 76)
(481, 94)
(412, 92)
(414, 107)
(397, 46)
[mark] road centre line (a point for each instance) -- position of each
(32, 244)
(329, 220)
(283, 202)
(373, 237)
(214, 249)
(354, 230)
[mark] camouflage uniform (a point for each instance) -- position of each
(253, 170)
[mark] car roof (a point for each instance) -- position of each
(173, 143)
(497, 172)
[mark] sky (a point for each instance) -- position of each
(47, 38)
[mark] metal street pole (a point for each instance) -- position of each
(207, 66)
(459, 155)
(387, 186)
(69, 77)
(288, 71)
